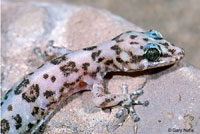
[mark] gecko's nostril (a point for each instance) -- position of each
(180, 54)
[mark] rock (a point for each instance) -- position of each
(173, 91)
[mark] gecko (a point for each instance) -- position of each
(26, 106)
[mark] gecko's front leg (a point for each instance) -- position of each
(126, 100)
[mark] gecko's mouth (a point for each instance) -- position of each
(178, 55)
(165, 62)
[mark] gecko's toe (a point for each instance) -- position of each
(133, 114)
(137, 93)
(135, 117)
(131, 102)
(146, 103)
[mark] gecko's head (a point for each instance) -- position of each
(144, 50)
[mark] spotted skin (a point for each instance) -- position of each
(43, 90)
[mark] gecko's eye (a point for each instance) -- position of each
(152, 52)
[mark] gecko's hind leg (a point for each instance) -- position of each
(51, 51)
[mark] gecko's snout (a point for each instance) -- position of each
(180, 54)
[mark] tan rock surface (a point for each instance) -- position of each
(173, 92)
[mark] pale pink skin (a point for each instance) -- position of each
(35, 97)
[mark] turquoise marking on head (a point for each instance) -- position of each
(153, 34)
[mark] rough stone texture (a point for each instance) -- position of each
(178, 20)
(173, 92)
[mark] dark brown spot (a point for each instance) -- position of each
(58, 60)
(9, 107)
(166, 55)
(51, 104)
(30, 126)
(93, 74)
(106, 70)
(78, 79)
(37, 111)
(128, 31)
(98, 69)
(38, 121)
(67, 85)
(117, 37)
(90, 48)
(180, 53)
(172, 51)
(133, 36)
(6, 95)
(24, 83)
(40, 66)
(95, 54)
(61, 89)
(85, 73)
(136, 58)
(53, 79)
(116, 67)
(45, 76)
(165, 44)
(145, 39)
(141, 47)
(133, 43)
(109, 62)
(100, 59)
(69, 68)
(18, 121)
(31, 94)
(48, 93)
(85, 66)
(5, 126)
(121, 40)
(116, 48)
(31, 73)
(119, 59)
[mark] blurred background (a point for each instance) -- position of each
(177, 20)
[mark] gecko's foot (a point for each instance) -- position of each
(127, 108)
(48, 52)
(130, 102)
(51, 51)
(39, 53)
